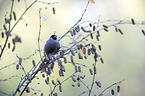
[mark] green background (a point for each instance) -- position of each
(123, 55)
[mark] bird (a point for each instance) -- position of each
(52, 46)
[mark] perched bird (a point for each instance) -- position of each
(52, 45)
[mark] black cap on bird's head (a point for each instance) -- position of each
(53, 37)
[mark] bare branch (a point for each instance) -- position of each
(111, 86)
(7, 78)
(15, 25)
(39, 35)
(75, 23)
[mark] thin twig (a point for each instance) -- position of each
(18, 60)
(2, 49)
(92, 82)
(85, 85)
(39, 35)
(25, 3)
(111, 86)
(4, 93)
(9, 65)
(61, 82)
(31, 80)
(79, 64)
(25, 79)
(22, 15)
(48, 2)
(22, 66)
(120, 22)
(11, 12)
(75, 23)
(83, 93)
(14, 26)
(50, 87)
(7, 78)
(35, 89)
(98, 21)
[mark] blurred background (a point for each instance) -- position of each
(123, 55)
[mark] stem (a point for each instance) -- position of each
(25, 3)
(92, 82)
(75, 23)
(39, 35)
(110, 86)
(14, 26)
(30, 82)
(23, 15)
(61, 82)
(4, 93)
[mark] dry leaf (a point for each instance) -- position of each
(92, 1)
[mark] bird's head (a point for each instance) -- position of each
(54, 37)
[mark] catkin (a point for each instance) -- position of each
(95, 70)
(53, 82)
(94, 28)
(91, 35)
(14, 14)
(91, 72)
(132, 21)
(79, 69)
(100, 48)
(33, 62)
(105, 26)
(17, 66)
(120, 31)
(53, 10)
(72, 52)
(118, 89)
(80, 56)
(2, 34)
(65, 59)
(143, 32)
(20, 60)
(60, 88)
(101, 59)
(112, 91)
(77, 28)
